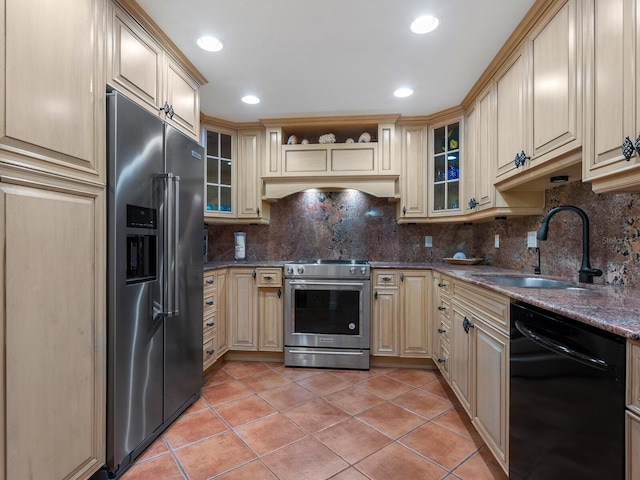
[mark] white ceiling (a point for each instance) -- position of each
(336, 57)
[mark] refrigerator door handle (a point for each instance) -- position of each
(170, 212)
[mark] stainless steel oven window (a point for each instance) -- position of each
(323, 311)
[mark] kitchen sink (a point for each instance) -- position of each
(528, 281)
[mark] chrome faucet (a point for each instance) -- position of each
(586, 272)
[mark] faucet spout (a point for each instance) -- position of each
(586, 272)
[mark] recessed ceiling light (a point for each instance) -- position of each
(425, 24)
(403, 92)
(250, 99)
(210, 44)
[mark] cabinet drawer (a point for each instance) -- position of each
(385, 278)
(208, 306)
(443, 330)
(442, 358)
(444, 309)
(209, 326)
(491, 306)
(269, 277)
(444, 286)
(209, 285)
(208, 352)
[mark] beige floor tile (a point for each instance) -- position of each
(263, 381)
(423, 403)
(395, 461)
(323, 383)
(244, 410)
(288, 396)
(316, 415)
(392, 420)
(413, 376)
(193, 427)
(354, 400)
(385, 387)
(217, 376)
(307, 459)
(353, 440)
(270, 433)
(245, 369)
(224, 392)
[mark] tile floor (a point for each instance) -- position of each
(259, 421)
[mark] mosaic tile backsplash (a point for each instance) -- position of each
(337, 225)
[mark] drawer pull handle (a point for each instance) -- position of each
(210, 324)
(441, 360)
(209, 282)
(386, 279)
(210, 303)
(268, 278)
(441, 330)
(401, 277)
(210, 352)
(441, 285)
(442, 309)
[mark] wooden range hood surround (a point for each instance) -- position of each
(372, 168)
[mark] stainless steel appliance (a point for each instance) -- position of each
(327, 313)
(567, 398)
(155, 269)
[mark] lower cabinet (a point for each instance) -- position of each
(255, 309)
(632, 420)
(479, 362)
(52, 327)
(401, 313)
(214, 334)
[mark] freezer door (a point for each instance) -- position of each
(183, 330)
(135, 326)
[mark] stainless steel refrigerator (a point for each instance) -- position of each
(155, 267)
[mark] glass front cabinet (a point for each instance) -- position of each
(445, 168)
(220, 173)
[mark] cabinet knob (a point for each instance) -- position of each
(401, 277)
(628, 147)
(210, 324)
(268, 278)
(209, 282)
(258, 212)
(210, 302)
(404, 210)
(254, 274)
(473, 203)
(375, 294)
(279, 292)
(441, 360)
(441, 330)
(442, 309)
(441, 285)
(467, 325)
(210, 352)
(520, 159)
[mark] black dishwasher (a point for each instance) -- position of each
(567, 398)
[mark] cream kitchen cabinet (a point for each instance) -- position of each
(255, 309)
(384, 314)
(249, 191)
(633, 411)
(401, 313)
(539, 100)
(479, 362)
(52, 107)
(612, 106)
(445, 167)
(52, 324)
(214, 334)
(413, 177)
(222, 324)
(142, 68)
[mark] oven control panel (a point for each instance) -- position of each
(332, 269)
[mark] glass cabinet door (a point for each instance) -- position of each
(218, 178)
(446, 167)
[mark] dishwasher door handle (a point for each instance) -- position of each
(548, 343)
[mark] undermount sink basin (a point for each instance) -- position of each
(528, 282)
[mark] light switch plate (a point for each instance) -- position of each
(496, 241)
(532, 239)
(428, 241)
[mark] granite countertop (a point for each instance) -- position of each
(614, 308)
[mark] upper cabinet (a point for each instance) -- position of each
(413, 177)
(339, 152)
(612, 106)
(444, 168)
(52, 108)
(233, 186)
(140, 67)
(539, 101)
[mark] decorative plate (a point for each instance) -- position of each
(364, 138)
(292, 140)
(463, 261)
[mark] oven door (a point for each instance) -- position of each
(327, 313)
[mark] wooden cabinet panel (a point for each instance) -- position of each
(484, 169)
(52, 106)
(413, 203)
(222, 326)
(52, 314)
(632, 422)
(415, 287)
(182, 94)
(270, 319)
(633, 376)
(461, 357)
(384, 322)
(249, 188)
(243, 309)
(490, 380)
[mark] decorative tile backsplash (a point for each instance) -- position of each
(353, 224)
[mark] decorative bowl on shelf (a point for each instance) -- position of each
(463, 261)
(365, 138)
(327, 138)
(349, 140)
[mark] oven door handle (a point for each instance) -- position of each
(321, 352)
(326, 284)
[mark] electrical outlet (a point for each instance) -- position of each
(532, 239)
(428, 241)
(496, 241)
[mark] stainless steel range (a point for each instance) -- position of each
(327, 313)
